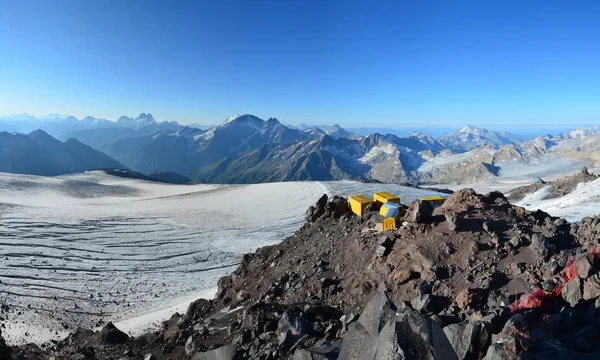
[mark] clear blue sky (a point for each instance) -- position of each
(398, 63)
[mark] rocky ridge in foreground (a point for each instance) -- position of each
(475, 278)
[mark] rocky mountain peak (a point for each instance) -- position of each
(145, 119)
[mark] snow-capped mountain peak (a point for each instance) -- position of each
(244, 119)
(336, 131)
(470, 137)
(472, 130)
(144, 120)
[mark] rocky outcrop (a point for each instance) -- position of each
(557, 188)
(476, 278)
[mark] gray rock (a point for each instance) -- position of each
(289, 328)
(583, 267)
(591, 288)
(536, 242)
(380, 333)
(423, 336)
(512, 342)
(423, 304)
(419, 211)
(572, 291)
(377, 313)
(469, 339)
(452, 221)
(322, 350)
(149, 357)
(358, 343)
(515, 241)
(227, 352)
(190, 348)
(387, 347)
(560, 222)
(303, 354)
(77, 357)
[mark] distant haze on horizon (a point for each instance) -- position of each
(502, 65)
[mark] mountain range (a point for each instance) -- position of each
(247, 149)
(38, 153)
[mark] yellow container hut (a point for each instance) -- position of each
(389, 223)
(358, 204)
(384, 197)
(435, 200)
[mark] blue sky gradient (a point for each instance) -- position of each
(400, 63)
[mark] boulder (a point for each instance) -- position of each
(337, 207)
(387, 347)
(572, 291)
(584, 268)
(190, 347)
(360, 342)
(496, 197)
(110, 335)
(321, 350)
(513, 342)
(377, 313)
(227, 352)
(423, 337)
(423, 303)
(469, 340)
(290, 328)
(315, 212)
(591, 288)
(381, 333)
(452, 221)
(322, 201)
(303, 354)
(419, 211)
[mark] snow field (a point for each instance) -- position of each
(85, 249)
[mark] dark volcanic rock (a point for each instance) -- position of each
(111, 335)
(337, 207)
(5, 351)
(380, 333)
(513, 342)
(470, 340)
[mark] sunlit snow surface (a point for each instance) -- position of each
(581, 202)
(82, 248)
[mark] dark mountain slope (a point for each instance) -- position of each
(40, 154)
